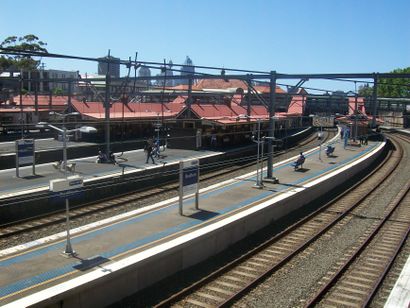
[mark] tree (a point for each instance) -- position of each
(397, 87)
(58, 91)
(389, 87)
(29, 42)
(365, 90)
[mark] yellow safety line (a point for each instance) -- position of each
(37, 285)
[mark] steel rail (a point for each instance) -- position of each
(222, 270)
(358, 252)
(77, 211)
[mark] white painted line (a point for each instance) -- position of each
(347, 166)
(93, 158)
(13, 142)
(126, 262)
(120, 217)
(91, 178)
(168, 202)
(400, 295)
(138, 257)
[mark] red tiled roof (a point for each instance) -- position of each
(16, 110)
(129, 111)
(216, 111)
(226, 114)
(259, 111)
(219, 84)
(178, 87)
(180, 100)
(266, 89)
(360, 105)
(42, 100)
(296, 105)
(236, 99)
(229, 84)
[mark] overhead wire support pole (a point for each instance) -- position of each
(356, 113)
(249, 99)
(374, 98)
(107, 108)
(163, 93)
(69, 95)
(258, 182)
(189, 95)
(68, 249)
(271, 132)
(21, 104)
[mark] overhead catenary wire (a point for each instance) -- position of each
(12, 51)
(370, 81)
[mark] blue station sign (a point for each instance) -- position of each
(25, 151)
(190, 176)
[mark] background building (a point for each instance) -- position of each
(187, 69)
(114, 67)
(166, 75)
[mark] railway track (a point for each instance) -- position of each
(356, 279)
(229, 283)
(90, 212)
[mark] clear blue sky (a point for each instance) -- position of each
(298, 36)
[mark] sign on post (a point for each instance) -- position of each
(198, 139)
(318, 121)
(188, 181)
(71, 182)
(25, 154)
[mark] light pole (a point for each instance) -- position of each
(158, 126)
(259, 158)
(85, 129)
(316, 119)
(355, 112)
(356, 115)
(320, 141)
(258, 180)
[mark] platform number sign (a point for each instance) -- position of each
(188, 181)
(25, 153)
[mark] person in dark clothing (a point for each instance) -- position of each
(149, 151)
(112, 158)
(101, 158)
(300, 161)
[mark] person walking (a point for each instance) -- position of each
(149, 151)
(156, 149)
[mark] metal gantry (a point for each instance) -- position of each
(240, 74)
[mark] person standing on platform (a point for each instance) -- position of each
(213, 139)
(149, 150)
(346, 136)
(156, 149)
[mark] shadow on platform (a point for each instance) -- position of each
(86, 264)
(203, 215)
(31, 177)
(303, 170)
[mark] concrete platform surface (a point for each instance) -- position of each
(9, 147)
(37, 270)
(128, 162)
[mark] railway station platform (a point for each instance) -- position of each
(124, 254)
(128, 162)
